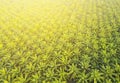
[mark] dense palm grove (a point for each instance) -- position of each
(60, 41)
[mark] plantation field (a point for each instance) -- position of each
(59, 41)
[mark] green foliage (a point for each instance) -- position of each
(60, 41)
